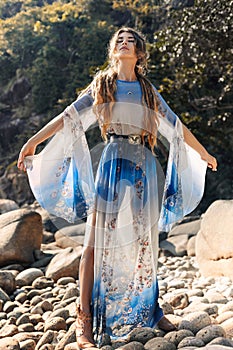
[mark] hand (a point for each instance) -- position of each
(211, 161)
(28, 149)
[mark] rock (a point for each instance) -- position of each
(214, 242)
(141, 335)
(167, 308)
(174, 319)
(42, 282)
(159, 343)
(8, 330)
(210, 332)
(14, 183)
(71, 292)
(7, 205)
(177, 242)
(69, 338)
(214, 347)
(55, 324)
(29, 344)
(65, 264)
(9, 343)
(9, 306)
(195, 321)
(47, 338)
(70, 236)
(227, 307)
(23, 319)
(47, 347)
(191, 341)
(215, 297)
(224, 316)
(26, 327)
(222, 341)
(21, 297)
(191, 246)
(60, 313)
(7, 281)
(134, 345)
(3, 296)
(26, 277)
(20, 337)
(228, 327)
(176, 245)
(175, 337)
(21, 234)
(179, 301)
(73, 346)
(189, 228)
(211, 309)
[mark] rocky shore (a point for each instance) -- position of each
(40, 314)
(39, 291)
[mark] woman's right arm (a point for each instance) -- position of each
(56, 124)
(47, 131)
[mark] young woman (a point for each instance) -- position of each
(118, 285)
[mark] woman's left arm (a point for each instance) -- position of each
(191, 140)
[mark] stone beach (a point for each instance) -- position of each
(40, 313)
(39, 287)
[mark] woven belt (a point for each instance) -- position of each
(133, 139)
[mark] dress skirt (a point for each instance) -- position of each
(128, 185)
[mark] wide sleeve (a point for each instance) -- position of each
(185, 174)
(61, 175)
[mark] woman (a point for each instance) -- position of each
(118, 285)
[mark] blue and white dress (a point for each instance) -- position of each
(126, 204)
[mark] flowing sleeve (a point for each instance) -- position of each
(185, 174)
(61, 176)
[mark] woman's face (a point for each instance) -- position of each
(125, 46)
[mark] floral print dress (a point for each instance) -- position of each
(126, 204)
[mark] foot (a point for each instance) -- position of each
(166, 325)
(84, 335)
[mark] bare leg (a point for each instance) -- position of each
(86, 277)
(84, 332)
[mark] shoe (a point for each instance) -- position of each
(166, 325)
(84, 335)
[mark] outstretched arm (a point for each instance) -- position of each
(47, 131)
(191, 140)
(50, 129)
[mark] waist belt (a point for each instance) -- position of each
(133, 139)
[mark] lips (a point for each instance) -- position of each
(124, 48)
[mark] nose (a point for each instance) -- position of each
(125, 41)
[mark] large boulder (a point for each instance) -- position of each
(21, 234)
(214, 241)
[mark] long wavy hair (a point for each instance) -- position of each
(103, 87)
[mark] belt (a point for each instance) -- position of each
(133, 139)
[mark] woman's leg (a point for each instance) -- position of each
(86, 277)
(84, 333)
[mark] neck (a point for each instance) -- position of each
(126, 72)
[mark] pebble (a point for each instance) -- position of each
(40, 314)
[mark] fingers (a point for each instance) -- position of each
(20, 163)
(212, 164)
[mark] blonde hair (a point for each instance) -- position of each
(104, 86)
